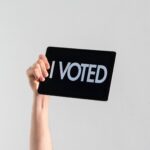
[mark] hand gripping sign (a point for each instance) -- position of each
(78, 73)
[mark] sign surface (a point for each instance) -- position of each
(78, 73)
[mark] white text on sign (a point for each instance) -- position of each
(81, 69)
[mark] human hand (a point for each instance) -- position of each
(38, 72)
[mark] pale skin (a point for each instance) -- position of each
(40, 137)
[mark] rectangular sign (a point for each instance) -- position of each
(78, 73)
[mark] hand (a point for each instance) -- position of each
(38, 72)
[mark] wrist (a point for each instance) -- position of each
(40, 96)
(40, 103)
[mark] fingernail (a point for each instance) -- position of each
(42, 79)
(46, 74)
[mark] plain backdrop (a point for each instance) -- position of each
(28, 27)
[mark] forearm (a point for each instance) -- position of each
(40, 138)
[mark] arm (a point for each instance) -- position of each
(40, 138)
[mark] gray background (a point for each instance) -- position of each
(28, 27)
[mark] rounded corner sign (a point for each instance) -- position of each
(78, 73)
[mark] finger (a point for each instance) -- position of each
(44, 58)
(43, 67)
(38, 72)
(29, 71)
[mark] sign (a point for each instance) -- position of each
(78, 73)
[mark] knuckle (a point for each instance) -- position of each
(36, 65)
(40, 55)
(35, 70)
(28, 70)
(40, 61)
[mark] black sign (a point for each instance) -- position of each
(78, 73)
